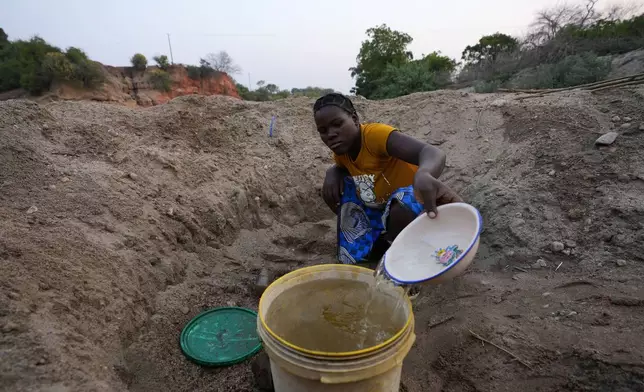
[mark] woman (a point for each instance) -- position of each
(381, 181)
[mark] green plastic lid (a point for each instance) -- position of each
(221, 337)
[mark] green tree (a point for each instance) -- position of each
(435, 62)
(21, 65)
(35, 64)
(139, 62)
(162, 61)
(489, 47)
(4, 38)
(384, 47)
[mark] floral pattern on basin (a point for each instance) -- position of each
(447, 256)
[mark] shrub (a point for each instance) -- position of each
(571, 71)
(162, 61)
(487, 87)
(194, 72)
(35, 64)
(76, 56)
(58, 66)
(139, 62)
(160, 80)
(409, 78)
(90, 73)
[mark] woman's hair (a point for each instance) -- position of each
(335, 99)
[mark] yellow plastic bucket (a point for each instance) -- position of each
(297, 369)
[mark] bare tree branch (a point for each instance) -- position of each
(222, 62)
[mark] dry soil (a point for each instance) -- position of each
(120, 224)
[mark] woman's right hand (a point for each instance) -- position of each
(333, 187)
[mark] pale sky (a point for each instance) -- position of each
(287, 42)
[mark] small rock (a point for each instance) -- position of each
(624, 177)
(572, 313)
(185, 310)
(64, 179)
(616, 119)
(541, 263)
(52, 187)
(621, 263)
(489, 160)
(10, 326)
(133, 176)
(231, 304)
(464, 94)
(45, 127)
(170, 211)
(257, 198)
(627, 119)
(499, 103)
(570, 244)
(552, 173)
(546, 294)
(546, 306)
(557, 246)
(32, 209)
(626, 126)
(566, 252)
(13, 295)
(642, 127)
(607, 139)
(42, 361)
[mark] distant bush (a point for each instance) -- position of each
(560, 51)
(160, 80)
(570, 71)
(487, 87)
(21, 65)
(408, 78)
(139, 62)
(76, 56)
(58, 66)
(90, 73)
(35, 64)
(194, 72)
(73, 66)
(162, 61)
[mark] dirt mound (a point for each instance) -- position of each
(120, 224)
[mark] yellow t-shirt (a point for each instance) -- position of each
(376, 174)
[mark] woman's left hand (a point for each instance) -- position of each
(432, 193)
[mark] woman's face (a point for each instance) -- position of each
(338, 129)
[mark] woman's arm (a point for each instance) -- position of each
(425, 156)
(431, 162)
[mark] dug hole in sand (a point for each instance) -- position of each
(121, 224)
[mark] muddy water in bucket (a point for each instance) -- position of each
(338, 315)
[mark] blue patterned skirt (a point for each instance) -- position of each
(360, 226)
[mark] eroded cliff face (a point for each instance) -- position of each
(126, 86)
